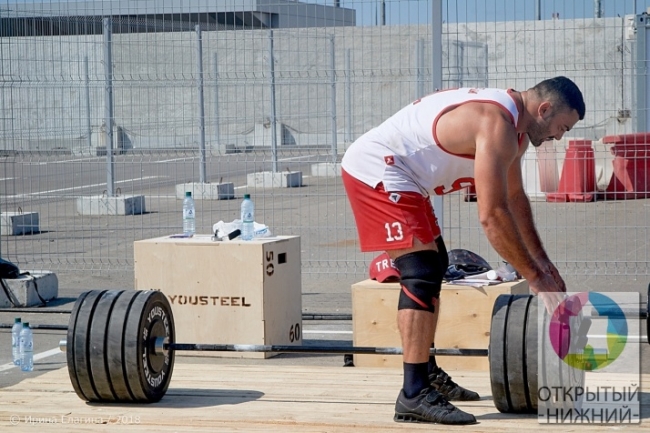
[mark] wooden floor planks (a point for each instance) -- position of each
(256, 398)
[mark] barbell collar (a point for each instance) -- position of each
(160, 346)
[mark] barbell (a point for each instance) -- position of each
(120, 347)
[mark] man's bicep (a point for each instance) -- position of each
(496, 151)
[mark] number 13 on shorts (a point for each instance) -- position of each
(394, 231)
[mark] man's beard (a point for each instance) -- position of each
(537, 134)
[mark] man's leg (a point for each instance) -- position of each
(433, 364)
(444, 260)
(403, 224)
(438, 378)
(420, 279)
(416, 329)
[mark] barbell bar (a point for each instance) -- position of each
(160, 346)
(120, 347)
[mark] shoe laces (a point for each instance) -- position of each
(443, 378)
(434, 397)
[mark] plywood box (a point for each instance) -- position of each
(236, 292)
(464, 321)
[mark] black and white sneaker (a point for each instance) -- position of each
(430, 406)
(441, 382)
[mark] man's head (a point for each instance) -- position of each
(558, 105)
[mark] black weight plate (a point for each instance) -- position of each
(148, 373)
(98, 343)
(81, 344)
(69, 351)
(497, 354)
(516, 354)
(115, 346)
(531, 352)
(549, 366)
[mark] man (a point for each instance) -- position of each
(442, 143)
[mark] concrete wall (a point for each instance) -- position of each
(155, 96)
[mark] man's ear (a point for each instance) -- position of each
(544, 109)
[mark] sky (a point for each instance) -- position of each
(419, 11)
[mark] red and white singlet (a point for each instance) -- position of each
(404, 153)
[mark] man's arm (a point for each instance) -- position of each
(522, 212)
(523, 215)
(496, 150)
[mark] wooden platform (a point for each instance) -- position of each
(257, 398)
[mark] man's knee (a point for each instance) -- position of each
(421, 279)
(443, 254)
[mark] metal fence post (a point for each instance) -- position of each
(436, 80)
(419, 68)
(348, 94)
(217, 129)
(333, 98)
(274, 135)
(641, 69)
(199, 88)
(108, 101)
(87, 91)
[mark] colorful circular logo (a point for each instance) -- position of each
(568, 331)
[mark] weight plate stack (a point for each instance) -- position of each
(520, 363)
(509, 342)
(110, 346)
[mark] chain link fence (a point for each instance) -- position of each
(217, 96)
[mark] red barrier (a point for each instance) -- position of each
(631, 178)
(578, 178)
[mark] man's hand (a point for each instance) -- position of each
(549, 291)
(549, 268)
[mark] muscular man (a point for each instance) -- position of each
(439, 144)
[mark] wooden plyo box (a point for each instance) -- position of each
(231, 292)
(464, 321)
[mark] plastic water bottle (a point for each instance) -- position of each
(189, 214)
(15, 340)
(26, 348)
(247, 218)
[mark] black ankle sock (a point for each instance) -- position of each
(416, 378)
(433, 366)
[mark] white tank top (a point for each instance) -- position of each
(404, 153)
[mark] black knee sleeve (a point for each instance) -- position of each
(444, 255)
(421, 279)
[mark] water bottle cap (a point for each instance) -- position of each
(188, 193)
(25, 324)
(17, 320)
(247, 196)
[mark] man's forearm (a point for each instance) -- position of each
(501, 229)
(523, 216)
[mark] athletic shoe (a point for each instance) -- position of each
(429, 406)
(441, 382)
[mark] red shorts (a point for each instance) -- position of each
(389, 220)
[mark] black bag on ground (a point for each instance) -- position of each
(8, 270)
(464, 263)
